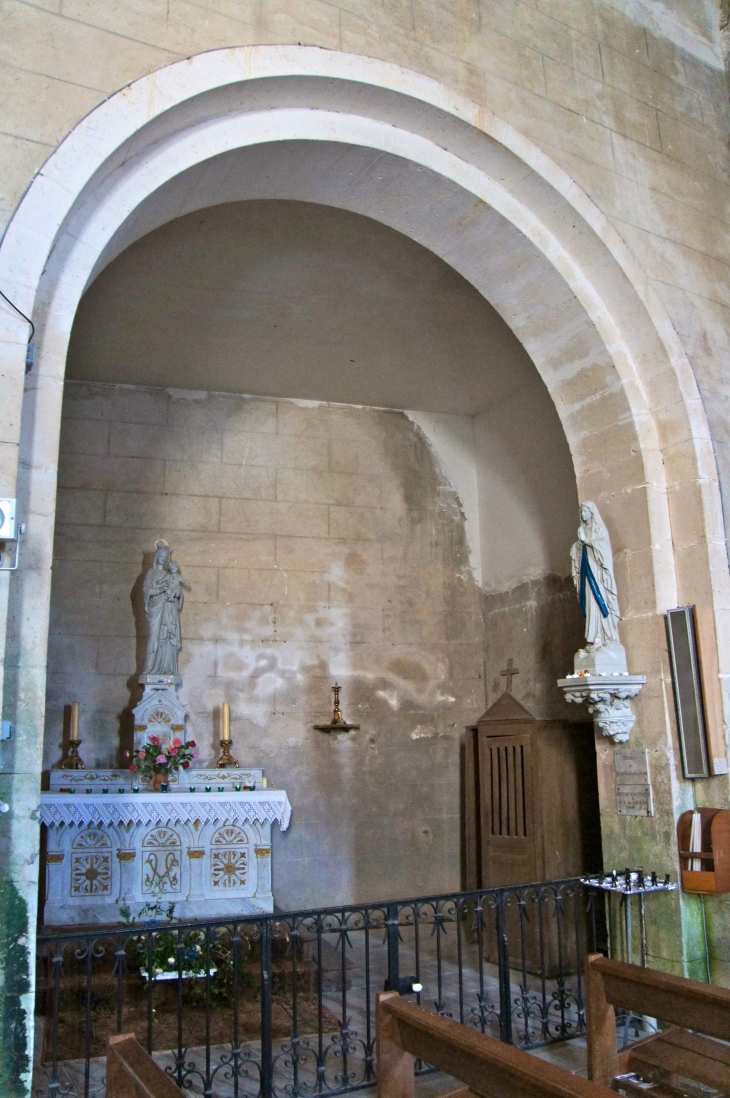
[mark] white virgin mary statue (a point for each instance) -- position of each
(163, 601)
(595, 583)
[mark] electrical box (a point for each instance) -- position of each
(8, 525)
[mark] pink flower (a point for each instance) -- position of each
(172, 751)
(177, 742)
(141, 754)
(154, 739)
(161, 759)
(196, 755)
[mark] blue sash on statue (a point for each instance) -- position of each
(586, 573)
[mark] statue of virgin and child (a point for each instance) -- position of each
(163, 601)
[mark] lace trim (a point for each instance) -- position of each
(158, 808)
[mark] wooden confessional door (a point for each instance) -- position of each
(507, 814)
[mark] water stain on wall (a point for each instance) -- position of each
(321, 542)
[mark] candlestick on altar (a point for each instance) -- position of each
(226, 759)
(72, 759)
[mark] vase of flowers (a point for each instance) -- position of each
(155, 763)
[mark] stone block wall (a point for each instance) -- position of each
(538, 625)
(321, 543)
(628, 97)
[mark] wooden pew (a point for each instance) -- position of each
(132, 1073)
(666, 1057)
(487, 1067)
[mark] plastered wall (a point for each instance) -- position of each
(299, 299)
(321, 542)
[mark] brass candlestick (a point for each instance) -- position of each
(338, 722)
(72, 760)
(226, 758)
(337, 717)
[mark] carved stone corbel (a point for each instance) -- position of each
(608, 698)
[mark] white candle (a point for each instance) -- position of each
(74, 721)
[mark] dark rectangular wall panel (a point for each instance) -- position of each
(688, 692)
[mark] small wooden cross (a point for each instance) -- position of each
(509, 672)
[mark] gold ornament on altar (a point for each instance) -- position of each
(72, 760)
(338, 722)
(226, 759)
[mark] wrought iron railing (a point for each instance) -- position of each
(283, 1005)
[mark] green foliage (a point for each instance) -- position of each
(14, 958)
(150, 911)
(191, 953)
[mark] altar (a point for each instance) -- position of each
(208, 852)
(166, 830)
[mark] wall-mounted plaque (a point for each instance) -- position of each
(633, 787)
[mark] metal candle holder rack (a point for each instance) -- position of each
(626, 885)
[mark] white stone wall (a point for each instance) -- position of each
(321, 542)
(631, 105)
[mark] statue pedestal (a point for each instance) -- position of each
(160, 713)
(607, 659)
(608, 698)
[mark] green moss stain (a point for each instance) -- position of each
(15, 977)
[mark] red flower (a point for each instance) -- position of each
(132, 766)
(186, 766)
(172, 751)
(154, 739)
(177, 742)
(191, 743)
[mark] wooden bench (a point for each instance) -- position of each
(487, 1067)
(689, 1049)
(132, 1073)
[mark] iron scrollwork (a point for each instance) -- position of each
(283, 1006)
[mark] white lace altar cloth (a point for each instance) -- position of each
(121, 809)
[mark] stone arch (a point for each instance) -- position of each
(402, 148)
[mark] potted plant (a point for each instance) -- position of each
(155, 763)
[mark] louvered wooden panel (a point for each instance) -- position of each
(508, 846)
(508, 814)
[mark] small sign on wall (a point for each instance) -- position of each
(633, 787)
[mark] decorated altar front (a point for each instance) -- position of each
(209, 853)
